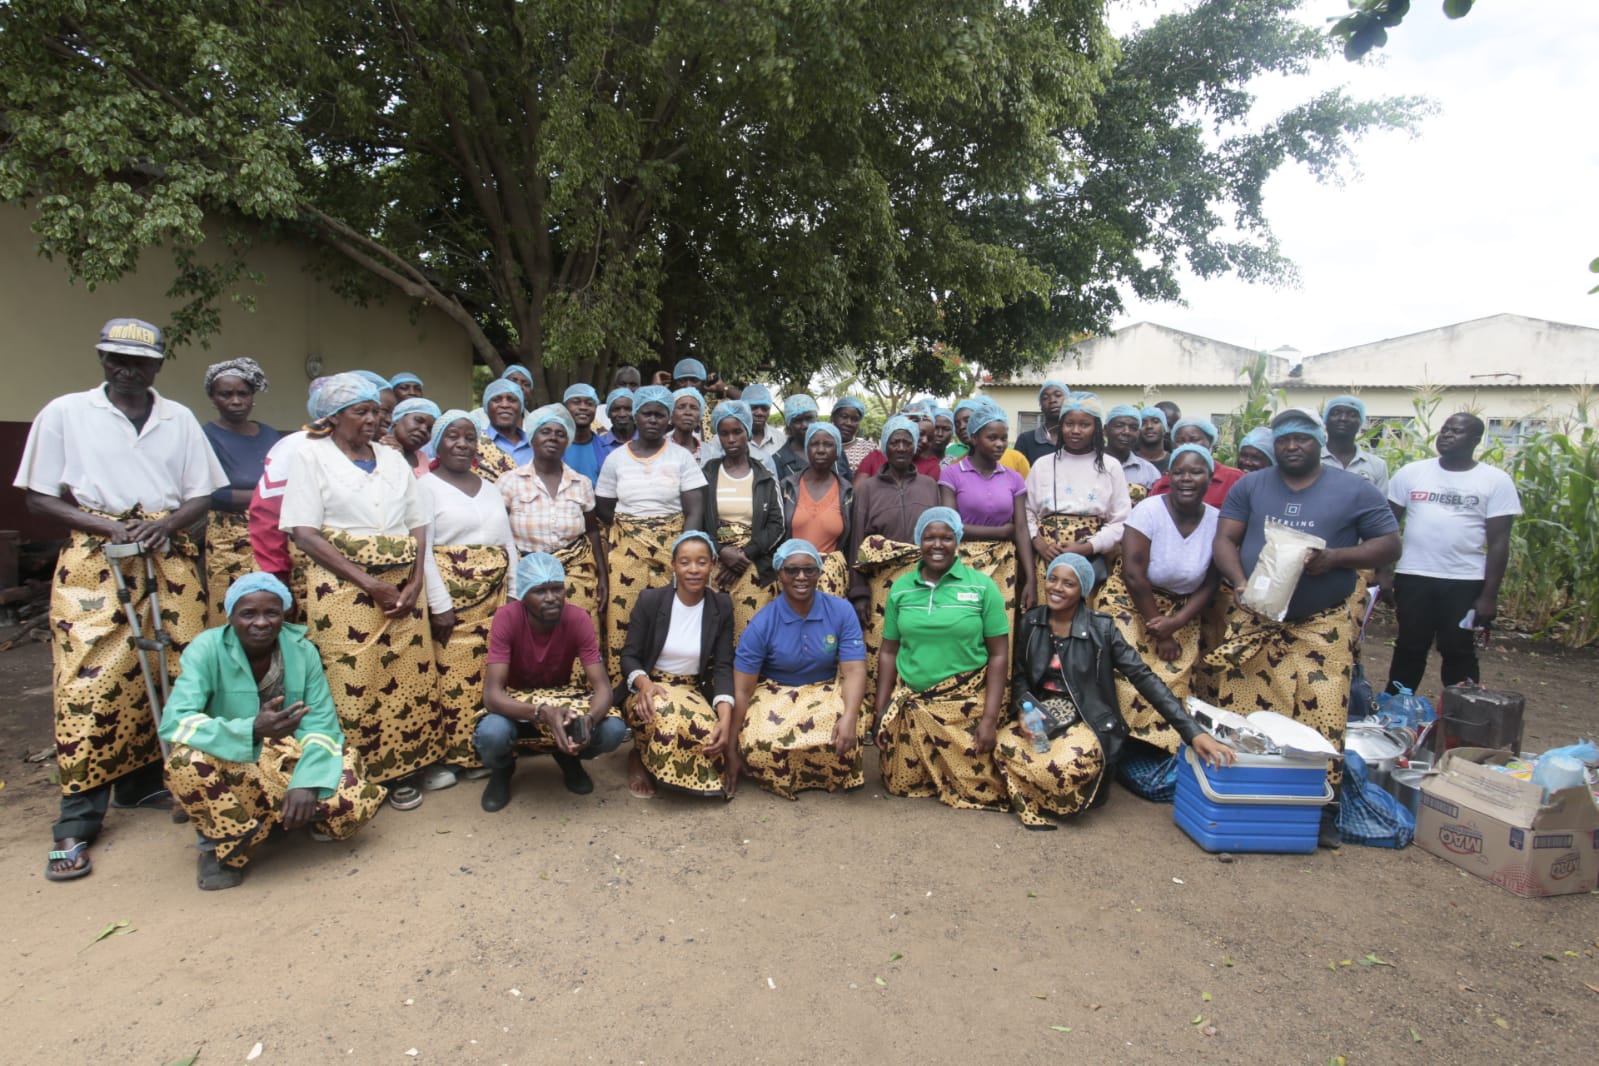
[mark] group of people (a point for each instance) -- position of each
(397, 596)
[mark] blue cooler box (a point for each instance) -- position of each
(1261, 803)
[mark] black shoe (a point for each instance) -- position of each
(572, 773)
(1327, 835)
(497, 792)
(213, 876)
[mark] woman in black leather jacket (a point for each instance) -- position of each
(1067, 658)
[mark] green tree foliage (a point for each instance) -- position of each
(1368, 22)
(765, 184)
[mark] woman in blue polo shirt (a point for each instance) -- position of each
(799, 676)
(942, 673)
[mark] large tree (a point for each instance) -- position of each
(763, 184)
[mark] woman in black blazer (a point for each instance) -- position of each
(678, 668)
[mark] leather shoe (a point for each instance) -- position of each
(572, 773)
(497, 793)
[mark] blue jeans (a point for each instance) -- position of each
(496, 736)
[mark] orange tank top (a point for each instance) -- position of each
(819, 521)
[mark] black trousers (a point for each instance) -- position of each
(1430, 610)
(82, 813)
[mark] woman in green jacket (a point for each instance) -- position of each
(254, 739)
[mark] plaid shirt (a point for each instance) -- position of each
(541, 522)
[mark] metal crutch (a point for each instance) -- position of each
(160, 640)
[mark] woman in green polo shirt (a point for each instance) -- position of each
(941, 676)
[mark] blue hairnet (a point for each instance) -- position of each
(757, 395)
(692, 393)
(617, 394)
(375, 378)
(947, 515)
(798, 404)
(518, 368)
(689, 368)
(1052, 384)
(648, 394)
(822, 427)
(574, 392)
(794, 546)
(694, 534)
(553, 412)
(538, 568)
(735, 409)
(502, 387)
(416, 405)
(983, 413)
(1260, 439)
(893, 426)
(255, 582)
(918, 408)
(1080, 566)
(850, 401)
(444, 422)
(403, 377)
(970, 401)
(1298, 422)
(1154, 412)
(1198, 449)
(1123, 410)
(1345, 401)
(310, 395)
(1204, 425)
(1083, 401)
(338, 392)
(944, 412)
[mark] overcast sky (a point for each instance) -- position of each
(1493, 208)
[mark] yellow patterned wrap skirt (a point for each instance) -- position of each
(1066, 528)
(672, 744)
(476, 576)
(883, 562)
(492, 463)
(1300, 669)
(747, 593)
(381, 670)
(1143, 721)
(1060, 782)
(228, 557)
(931, 745)
(638, 556)
(103, 726)
(787, 739)
(834, 578)
(234, 805)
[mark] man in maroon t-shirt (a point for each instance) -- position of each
(528, 690)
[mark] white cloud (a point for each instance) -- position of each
(1493, 208)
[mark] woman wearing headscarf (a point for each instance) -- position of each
(992, 502)
(551, 509)
(407, 386)
(648, 494)
(469, 566)
(744, 514)
(241, 446)
(1166, 581)
(1069, 658)
(1203, 433)
(412, 429)
(945, 663)
(254, 740)
(354, 509)
(678, 666)
(688, 412)
(817, 504)
(1255, 450)
(882, 544)
(1076, 501)
(799, 680)
(503, 444)
(847, 415)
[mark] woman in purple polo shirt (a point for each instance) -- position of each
(992, 500)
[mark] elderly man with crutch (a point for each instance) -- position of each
(128, 470)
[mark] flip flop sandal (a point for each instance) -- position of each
(405, 798)
(159, 800)
(641, 791)
(72, 854)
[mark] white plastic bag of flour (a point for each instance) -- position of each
(1271, 584)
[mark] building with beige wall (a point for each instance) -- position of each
(300, 328)
(1515, 372)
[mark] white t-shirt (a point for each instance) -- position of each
(456, 518)
(82, 444)
(649, 488)
(1176, 563)
(681, 652)
(1446, 517)
(327, 489)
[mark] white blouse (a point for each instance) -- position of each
(1063, 483)
(327, 489)
(649, 488)
(453, 517)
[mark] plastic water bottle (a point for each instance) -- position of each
(1033, 719)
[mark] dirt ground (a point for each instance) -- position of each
(842, 928)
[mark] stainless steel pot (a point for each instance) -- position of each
(1381, 748)
(1405, 785)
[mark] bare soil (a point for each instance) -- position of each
(842, 928)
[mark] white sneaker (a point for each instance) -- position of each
(438, 777)
(476, 773)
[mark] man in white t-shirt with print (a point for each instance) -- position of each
(1457, 514)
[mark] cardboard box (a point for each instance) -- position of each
(1498, 828)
